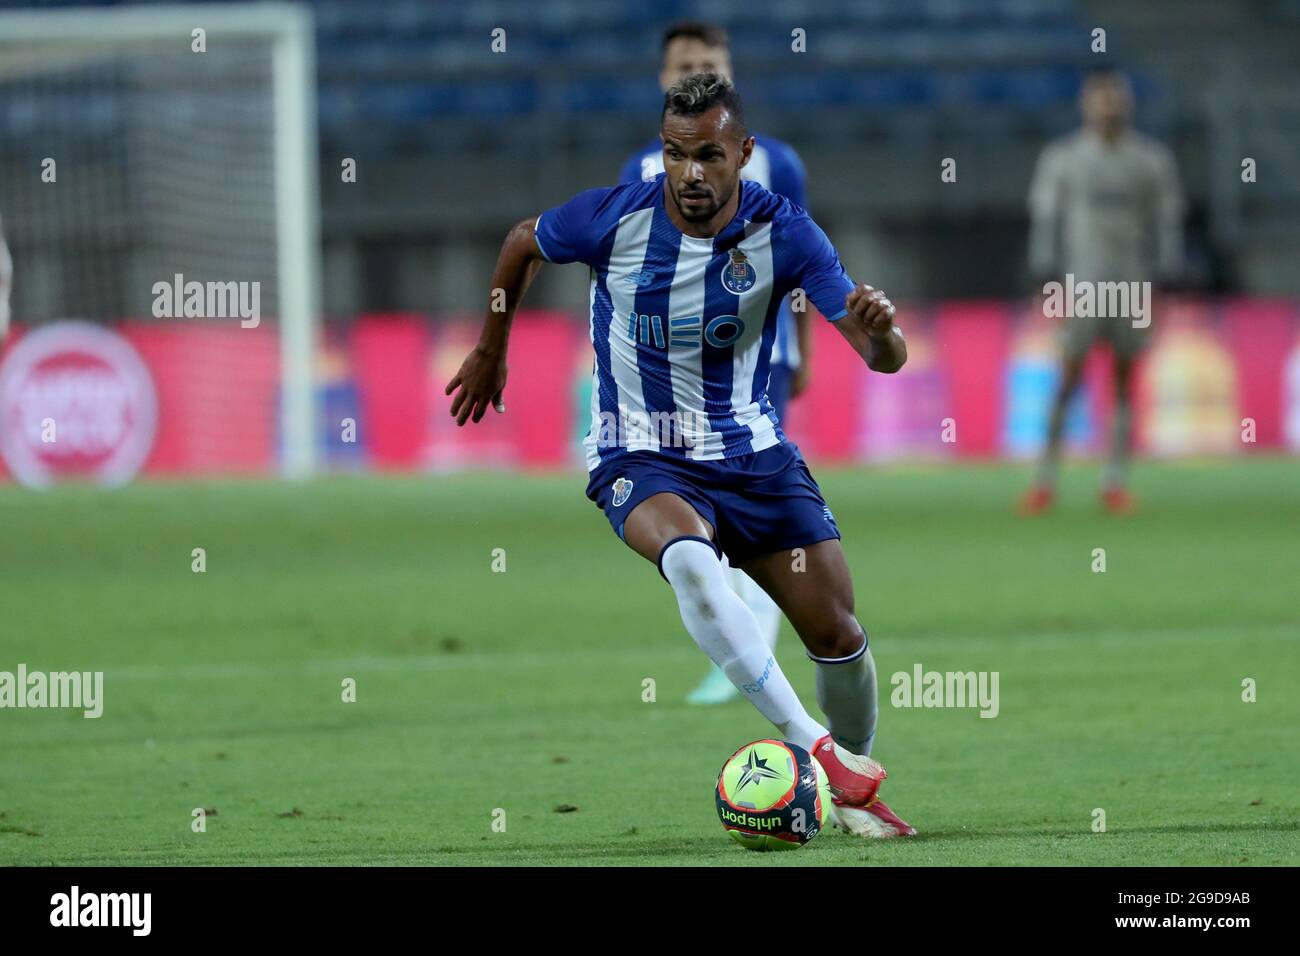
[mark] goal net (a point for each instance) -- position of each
(158, 180)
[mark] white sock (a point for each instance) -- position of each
(846, 693)
(725, 629)
(766, 613)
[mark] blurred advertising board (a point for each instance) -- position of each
(198, 399)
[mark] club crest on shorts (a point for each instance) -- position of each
(739, 276)
(622, 490)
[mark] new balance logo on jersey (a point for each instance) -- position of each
(684, 332)
(639, 279)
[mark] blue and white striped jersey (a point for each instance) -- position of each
(683, 327)
(775, 166)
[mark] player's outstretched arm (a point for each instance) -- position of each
(869, 328)
(481, 380)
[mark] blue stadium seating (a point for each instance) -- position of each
(404, 63)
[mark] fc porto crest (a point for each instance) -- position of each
(622, 490)
(739, 275)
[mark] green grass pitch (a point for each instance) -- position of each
(521, 691)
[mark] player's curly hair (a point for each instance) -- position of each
(699, 93)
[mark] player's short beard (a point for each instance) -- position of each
(702, 214)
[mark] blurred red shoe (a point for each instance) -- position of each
(1118, 501)
(1036, 500)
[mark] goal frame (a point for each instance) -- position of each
(291, 29)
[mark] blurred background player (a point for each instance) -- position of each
(692, 46)
(6, 283)
(1105, 206)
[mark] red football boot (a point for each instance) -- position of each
(1118, 501)
(853, 779)
(1036, 500)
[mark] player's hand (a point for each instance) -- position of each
(872, 308)
(800, 378)
(482, 382)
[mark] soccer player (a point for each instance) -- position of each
(686, 457)
(1105, 206)
(694, 47)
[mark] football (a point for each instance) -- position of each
(772, 795)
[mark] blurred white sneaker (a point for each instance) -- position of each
(873, 822)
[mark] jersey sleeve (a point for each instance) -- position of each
(631, 171)
(1045, 202)
(572, 232)
(789, 178)
(820, 274)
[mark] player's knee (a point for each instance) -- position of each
(693, 570)
(691, 585)
(839, 635)
(701, 596)
(703, 605)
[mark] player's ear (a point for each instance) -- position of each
(746, 150)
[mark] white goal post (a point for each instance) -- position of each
(38, 43)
